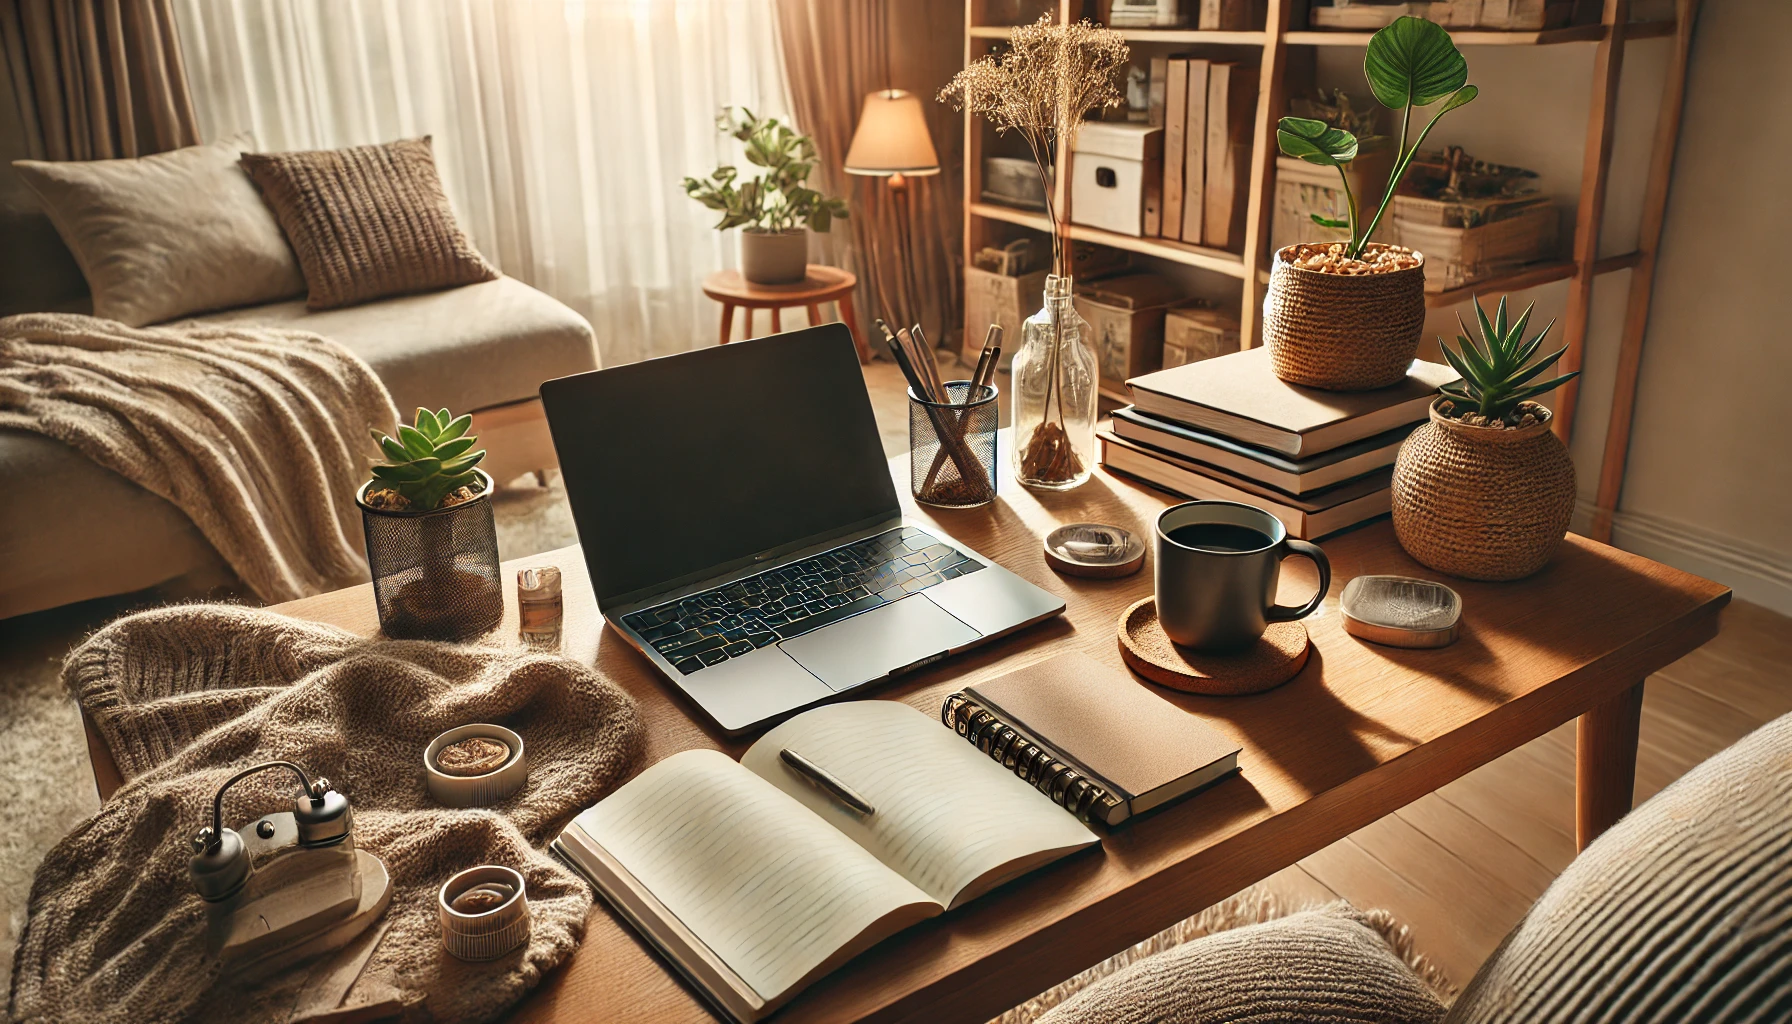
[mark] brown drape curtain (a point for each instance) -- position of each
(836, 51)
(97, 79)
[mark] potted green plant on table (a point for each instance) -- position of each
(1348, 316)
(432, 544)
(776, 210)
(1485, 489)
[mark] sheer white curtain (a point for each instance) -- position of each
(562, 127)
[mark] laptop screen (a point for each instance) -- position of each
(687, 463)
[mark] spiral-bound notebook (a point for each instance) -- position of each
(1090, 737)
(755, 882)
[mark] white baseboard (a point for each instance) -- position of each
(1755, 573)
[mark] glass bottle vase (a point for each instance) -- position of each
(1054, 385)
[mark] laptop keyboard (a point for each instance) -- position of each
(738, 618)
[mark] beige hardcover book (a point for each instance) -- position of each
(1139, 747)
(1231, 110)
(1175, 124)
(1239, 396)
(1157, 84)
(755, 883)
(1194, 160)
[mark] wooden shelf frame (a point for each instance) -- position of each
(1609, 37)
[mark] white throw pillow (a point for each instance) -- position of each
(168, 235)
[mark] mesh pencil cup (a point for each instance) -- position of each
(952, 448)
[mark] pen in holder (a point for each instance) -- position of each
(952, 446)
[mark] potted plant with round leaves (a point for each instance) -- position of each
(1485, 489)
(772, 209)
(1348, 316)
(432, 544)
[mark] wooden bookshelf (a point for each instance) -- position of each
(1607, 40)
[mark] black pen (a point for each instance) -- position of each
(821, 779)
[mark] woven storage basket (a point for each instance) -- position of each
(1482, 503)
(1339, 332)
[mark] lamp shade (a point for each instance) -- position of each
(892, 137)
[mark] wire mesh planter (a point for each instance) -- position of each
(435, 574)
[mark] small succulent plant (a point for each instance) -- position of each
(1497, 373)
(430, 459)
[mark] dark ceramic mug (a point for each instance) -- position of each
(1218, 563)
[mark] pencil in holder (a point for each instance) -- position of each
(952, 446)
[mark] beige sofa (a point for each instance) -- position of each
(70, 530)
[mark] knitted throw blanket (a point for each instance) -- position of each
(114, 931)
(258, 434)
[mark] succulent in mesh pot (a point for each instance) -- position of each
(1485, 489)
(432, 544)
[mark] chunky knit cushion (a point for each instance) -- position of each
(1325, 966)
(1681, 912)
(367, 222)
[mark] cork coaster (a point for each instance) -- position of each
(1277, 657)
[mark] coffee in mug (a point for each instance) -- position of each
(1218, 563)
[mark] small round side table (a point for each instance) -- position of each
(823, 284)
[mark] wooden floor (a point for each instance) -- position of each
(1461, 866)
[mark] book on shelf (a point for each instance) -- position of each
(1194, 155)
(1293, 476)
(1238, 395)
(1308, 516)
(755, 882)
(1231, 114)
(1175, 127)
(1156, 89)
(1091, 736)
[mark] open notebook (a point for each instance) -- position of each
(755, 883)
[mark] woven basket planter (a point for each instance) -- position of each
(1339, 332)
(1482, 503)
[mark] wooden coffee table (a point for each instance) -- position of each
(1362, 731)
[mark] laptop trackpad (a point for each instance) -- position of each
(872, 645)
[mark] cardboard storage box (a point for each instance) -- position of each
(1126, 321)
(1196, 331)
(1113, 165)
(991, 298)
(1456, 256)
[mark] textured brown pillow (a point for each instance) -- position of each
(367, 222)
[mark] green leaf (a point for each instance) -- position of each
(1329, 222)
(1455, 361)
(415, 442)
(455, 428)
(394, 450)
(464, 463)
(820, 220)
(1460, 98)
(1414, 62)
(427, 424)
(450, 449)
(419, 470)
(1537, 389)
(1315, 141)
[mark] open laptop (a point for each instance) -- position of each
(743, 532)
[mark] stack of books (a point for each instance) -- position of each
(1227, 428)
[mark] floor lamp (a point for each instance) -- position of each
(892, 142)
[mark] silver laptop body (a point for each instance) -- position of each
(743, 533)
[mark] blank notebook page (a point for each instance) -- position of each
(772, 891)
(946, 813)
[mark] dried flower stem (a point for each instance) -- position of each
(1042, 86)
